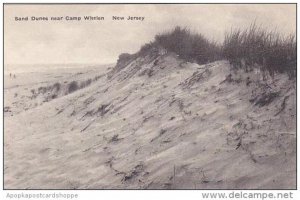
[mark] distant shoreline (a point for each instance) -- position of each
(31, 68)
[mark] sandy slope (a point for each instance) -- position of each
(157, 123)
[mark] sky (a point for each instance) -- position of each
(101, 42)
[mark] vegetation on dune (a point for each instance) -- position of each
(189, 46)
(254, 47)
(73, 86)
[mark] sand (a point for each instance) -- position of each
(163, 125)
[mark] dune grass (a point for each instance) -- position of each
(257, 47)
(192, 47)
(254, 47)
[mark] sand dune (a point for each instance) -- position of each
(157, 122)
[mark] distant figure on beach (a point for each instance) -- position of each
(14, 76)
(9, 75)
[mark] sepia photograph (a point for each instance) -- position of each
(149, 96)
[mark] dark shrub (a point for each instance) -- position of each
(73, 86)
(42, 90)
(96, 78)
(191, 47)
(124, 58)
(88, 82)
(57, 86)
(85, 83)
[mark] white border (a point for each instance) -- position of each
(133, 194)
